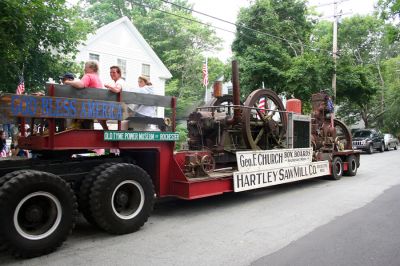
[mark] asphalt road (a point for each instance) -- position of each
(316, 222)
(367, 236)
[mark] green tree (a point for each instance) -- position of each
(38, 40)
(389, 10)
(391, 73)
(276, 46)
(363, 47)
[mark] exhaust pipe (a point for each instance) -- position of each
(237, 114)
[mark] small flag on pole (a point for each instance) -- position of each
(205, 73)
(21, 86)
(331, 109)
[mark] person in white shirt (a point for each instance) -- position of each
(141, 110)
(117, 84)
(146, 87)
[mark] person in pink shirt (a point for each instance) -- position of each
(90, 79)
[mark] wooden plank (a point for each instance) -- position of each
(146, 99)
(86, 93)
(105, 95)
(57, 107)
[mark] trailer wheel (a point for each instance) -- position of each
(37, 211)
(122, 198)
(337, 168)
(351, 165)
(85, 190)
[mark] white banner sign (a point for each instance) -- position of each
(251, 180)
(270, 159)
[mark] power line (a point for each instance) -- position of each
(223, 29)
(242, 26)
(183, 17)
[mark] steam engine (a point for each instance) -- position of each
(226, 125)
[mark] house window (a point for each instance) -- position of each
(122, 65)
(146, 70)
(95, 57)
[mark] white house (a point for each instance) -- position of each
(120, 43)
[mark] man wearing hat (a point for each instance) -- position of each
(66, 76)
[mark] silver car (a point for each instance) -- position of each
(390, 141)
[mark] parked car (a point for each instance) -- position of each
(390, 141)
(368, 140)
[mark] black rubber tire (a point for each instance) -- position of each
(395, 147)
(351, 166)
(10, 175)
(85, 189)
(103, 203)
(4, 179)
(16, 193)
(337, 168)
(370, 149)
(382, 147)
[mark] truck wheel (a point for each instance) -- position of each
(370, 149)
(337, 168)
(85, 189)
(395, 147)
(122, 198)
(37, 211)
(382, 148)
(351, 165)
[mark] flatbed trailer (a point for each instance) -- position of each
(40, 197)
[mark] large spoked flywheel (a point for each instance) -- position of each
(264, 127)
(343, 135)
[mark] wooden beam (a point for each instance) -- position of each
(105, 95)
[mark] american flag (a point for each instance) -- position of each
(331, 109)
(21, 86)
(205, 74)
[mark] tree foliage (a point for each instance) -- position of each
(391, 73)
(364, 48)
(273, 47)
(37, 40)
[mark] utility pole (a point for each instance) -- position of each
(334, 48)
(336, 16)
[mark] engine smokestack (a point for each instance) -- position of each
(236, 92)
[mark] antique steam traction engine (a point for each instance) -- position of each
(225, 125)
